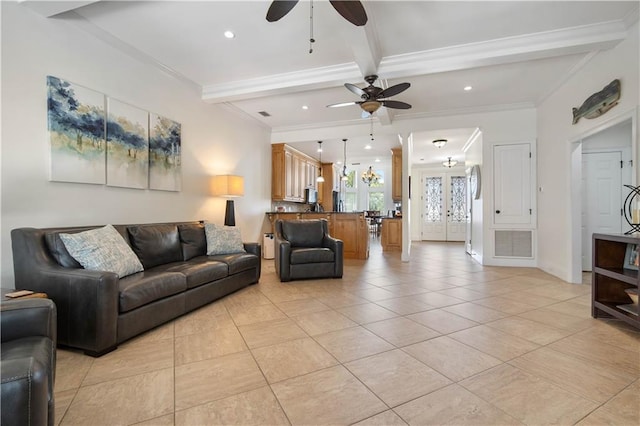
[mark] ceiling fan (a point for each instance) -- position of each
(374, 97)
(351, 10)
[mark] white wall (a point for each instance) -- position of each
(555, 136)
(214, 140)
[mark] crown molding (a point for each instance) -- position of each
(82, 23)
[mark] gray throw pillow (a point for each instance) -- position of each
(102, 249)
(223, 239)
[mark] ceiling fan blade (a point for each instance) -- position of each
(343, 104)
(396, 104)
(394, 90)
(279, 8)
(355, 89)
(352, 11)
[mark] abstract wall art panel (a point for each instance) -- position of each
(165, 169)
(75, 117)
(127, 145)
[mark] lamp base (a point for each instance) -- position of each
(229, 214)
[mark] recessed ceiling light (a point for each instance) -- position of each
(377, 160)
(467, 88)
(305, 107)
(338, 162)
(229, 34)
(367, 147)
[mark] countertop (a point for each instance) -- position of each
(314, 212)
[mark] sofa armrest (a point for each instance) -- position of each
(337, 246)
(28, 317)
(25, 392)
(253, 248)
(283, 258)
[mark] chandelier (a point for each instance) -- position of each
(370, 177)
(449, 163)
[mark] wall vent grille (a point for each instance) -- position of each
(513, 243)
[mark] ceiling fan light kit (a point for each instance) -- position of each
(374, 97)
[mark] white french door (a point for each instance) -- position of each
(601, 198)
(443, 209)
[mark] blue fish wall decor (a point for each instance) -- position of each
(599, 103)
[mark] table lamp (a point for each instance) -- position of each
(228, 186)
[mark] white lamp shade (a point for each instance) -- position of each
(227, 186)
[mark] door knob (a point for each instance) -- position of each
(498, 211)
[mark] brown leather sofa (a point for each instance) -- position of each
(28, 361)
(98, 310)
(304, 249)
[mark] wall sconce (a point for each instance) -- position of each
(228, 186)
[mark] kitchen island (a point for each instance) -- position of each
(350, 227)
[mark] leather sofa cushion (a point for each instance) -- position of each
(198, 273)
(311, 255)
(303, 233)
(145, 287)
(193, 239)
(155, 244)
(237, 262)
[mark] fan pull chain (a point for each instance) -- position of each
(371, 120)
(311, 39)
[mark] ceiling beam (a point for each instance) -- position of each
(547, 44)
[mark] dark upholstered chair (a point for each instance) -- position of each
(304, 249)
(28, 361)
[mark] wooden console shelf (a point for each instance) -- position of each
(610, 279)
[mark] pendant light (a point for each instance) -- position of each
(449, 163)
(320, 178)
(344, 167)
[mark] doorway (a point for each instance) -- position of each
(615, 135)
(443, 209)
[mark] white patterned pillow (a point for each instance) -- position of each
(223, 239)
(102, 249)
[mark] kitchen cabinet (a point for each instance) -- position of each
(291, 173)
(391, 234)
(611, 281)
(396, 175)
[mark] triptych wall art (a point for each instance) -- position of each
(100, 140)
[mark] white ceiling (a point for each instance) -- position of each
(513, 54)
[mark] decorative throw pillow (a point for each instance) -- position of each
(223, 239)
(102, 249)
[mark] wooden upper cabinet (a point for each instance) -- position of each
(291, 173)
(396, 174)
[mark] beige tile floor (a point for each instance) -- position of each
(438, 340)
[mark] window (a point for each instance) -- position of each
(376, 200)
(350, 202)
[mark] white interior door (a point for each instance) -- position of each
(444, 212)
(512, 184)
(601, 198)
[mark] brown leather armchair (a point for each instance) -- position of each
(28, 361)
(304, 249)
